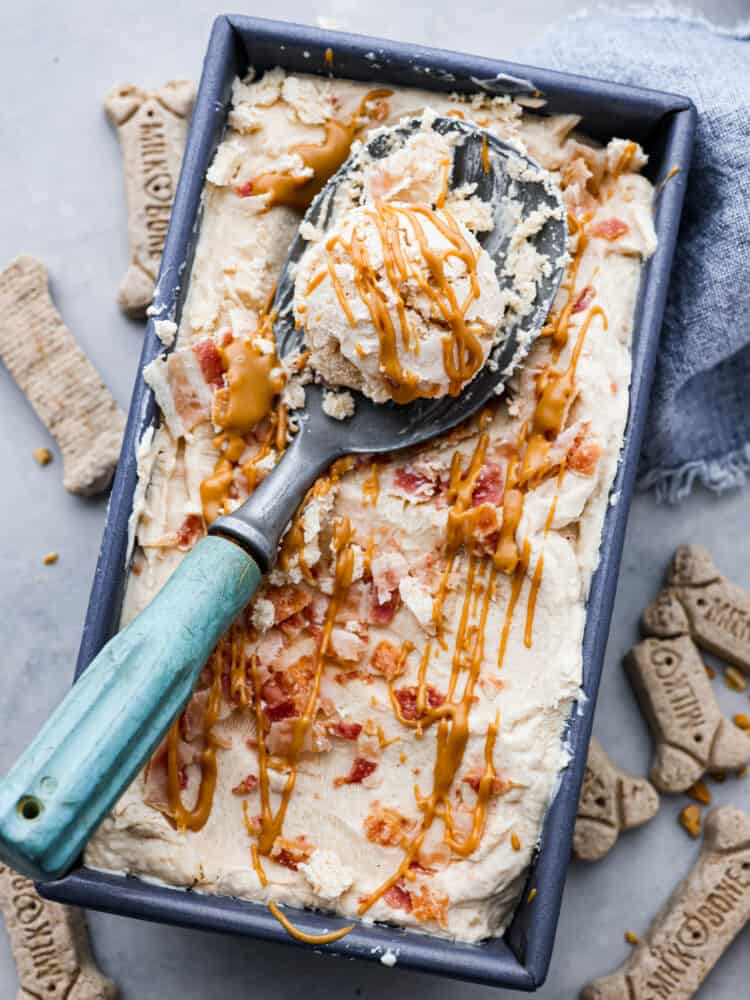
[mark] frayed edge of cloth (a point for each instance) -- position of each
(717, 474)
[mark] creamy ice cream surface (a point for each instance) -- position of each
(380, 733)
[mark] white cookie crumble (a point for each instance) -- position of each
(328, 877)
(263, 615)
(338, 405)
(166, 331)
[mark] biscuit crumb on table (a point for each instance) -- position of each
(50, 558)
(631, 938)
(42, 455)
(690, 820)
(700, 793)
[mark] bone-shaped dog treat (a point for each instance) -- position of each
(692, 736)
(50, 945)
(611, 802)
(152, 127)
(58, 379)
(697, 924)
(699, 600)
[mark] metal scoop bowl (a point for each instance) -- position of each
(113, 718)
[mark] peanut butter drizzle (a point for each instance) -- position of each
(558, 324)
(371, 487)
(251, 387)
(462, 517)
(485, 155)
(253, 381)
(299, 935)
(271, 823)
(324, 159)
(536, 579)
(195, 818)
(462, 349)
(452, 719)
(446, 165)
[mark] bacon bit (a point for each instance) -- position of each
(346, 730)
(609, 229)
(407, 699)
(690, 820)
(490, 486)
(352, 675)
(386, 826)
(419, 869)
(387, 660)
(283, 710)
(209, 359)
(499, 786)
(291, 853)
(294, 625)
(631, 938)
(382, 614)
(247, 785)
(699, 792)
(743, 721)
(430, 905)
(227, 339)
(296, 681)
(584, 455)
(398, 898)
(189, 531)
(136, 569)
(360, 769)
(287, 601)
(244, 190)
(408, 480)
(583, 299)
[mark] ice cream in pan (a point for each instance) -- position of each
(379, 734)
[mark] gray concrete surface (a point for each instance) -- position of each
(62, 199)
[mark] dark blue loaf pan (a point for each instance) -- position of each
(664, 125)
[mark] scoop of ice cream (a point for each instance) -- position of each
(399, 301)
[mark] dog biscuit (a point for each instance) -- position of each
(696, 925)
(57, 378)
(50, 945)
(692, 736)
(699, 600)
(611, 802)
(152, 127)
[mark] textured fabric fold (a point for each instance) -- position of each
(699, 420)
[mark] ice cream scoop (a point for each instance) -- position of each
(90, 749)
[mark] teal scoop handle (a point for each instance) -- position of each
(114, 716)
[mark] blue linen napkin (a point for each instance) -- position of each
(699, 420)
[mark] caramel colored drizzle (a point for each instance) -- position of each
(271, 823)
(515, 589)
(196, 818)
(452, 720)
(253, 380)
(299, 935)
(324, 159)
(485, 155)
(371, 487)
